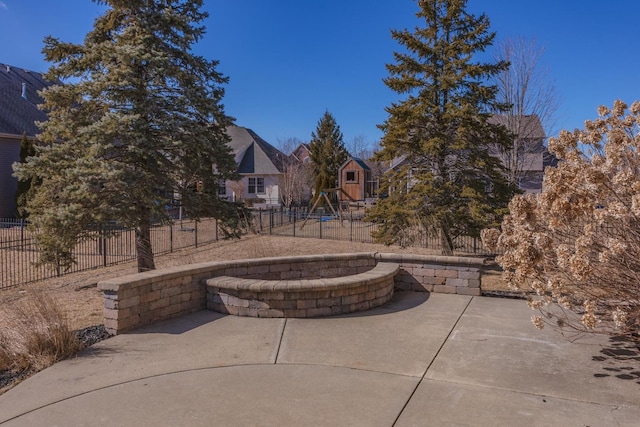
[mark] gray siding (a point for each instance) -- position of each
(9, 153)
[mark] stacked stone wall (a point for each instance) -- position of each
(145, 298)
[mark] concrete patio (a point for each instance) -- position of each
(421, 359)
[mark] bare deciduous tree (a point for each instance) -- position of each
(237, 188)
(296, 182)
(361, 148)
(530, 95)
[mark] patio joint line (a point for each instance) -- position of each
(431, 363)
(280, 342)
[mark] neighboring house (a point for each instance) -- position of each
(302, 153)
(297, 184)
(18, 115)
(378, 169)
(260, 165)
(355, 180)
(533, 156)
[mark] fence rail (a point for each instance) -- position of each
(19, 253)
(350, 226)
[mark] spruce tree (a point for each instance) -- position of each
(327, 152)
(138, 121)
(445, 180)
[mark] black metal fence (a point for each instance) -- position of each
(19, 252)
(350, 226)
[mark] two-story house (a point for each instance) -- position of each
(526, 160)
(260, 165)
(528, 156)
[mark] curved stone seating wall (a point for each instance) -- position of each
(145, 298)
(302, 297)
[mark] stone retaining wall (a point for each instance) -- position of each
(439, 274)
(145, 298)
(302, 297)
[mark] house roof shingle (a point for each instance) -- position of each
(19, 114)
(363, 165)
(253, 154)
(302, 153)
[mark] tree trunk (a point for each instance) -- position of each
(446, 243)
(143, 247)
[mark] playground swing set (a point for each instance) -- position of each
(323, 195)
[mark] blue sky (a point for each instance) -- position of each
(290, 60)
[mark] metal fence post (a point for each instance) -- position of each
(196, 231)
(270, 221)
(171, 237)
(216, 225)
(104, 250)
(351, 226)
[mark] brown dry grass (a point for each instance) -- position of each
(78, 297)
(35, 334)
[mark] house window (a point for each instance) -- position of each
(352, 176)
(256, 185)
(222, 187)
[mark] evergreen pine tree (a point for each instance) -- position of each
(24, 191)
(327, 152)
(138, 121)
(445, 180)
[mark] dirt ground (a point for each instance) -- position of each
(82, 301)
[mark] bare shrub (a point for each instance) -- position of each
(35, 334)
(577, 244)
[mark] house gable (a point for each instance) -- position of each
(529, 130)
(302, 153)
(259, 163)
(253, 154)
